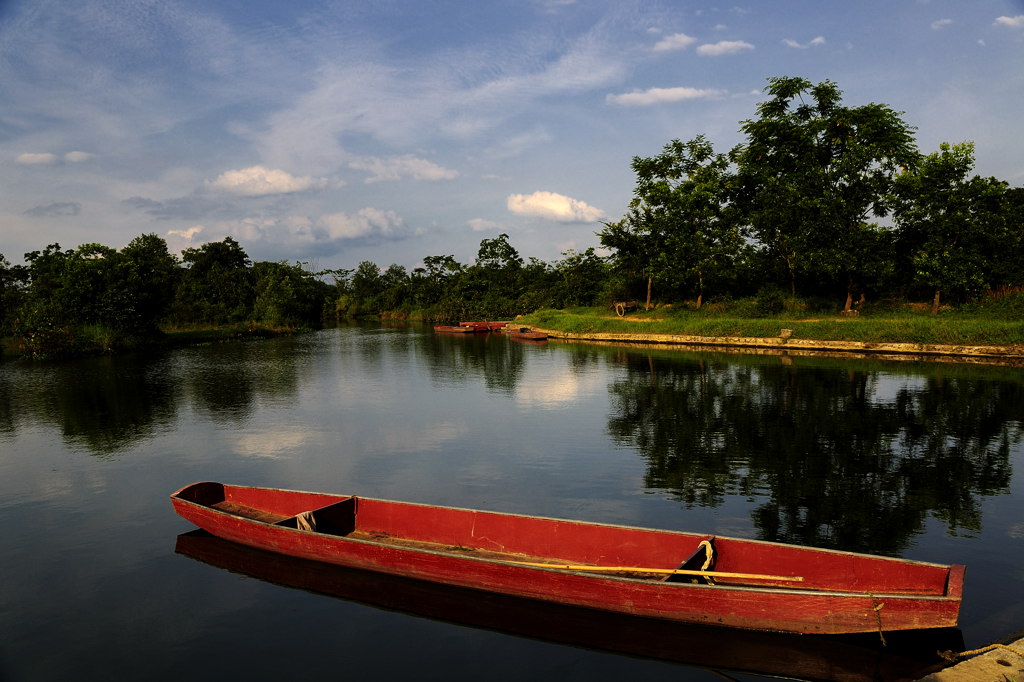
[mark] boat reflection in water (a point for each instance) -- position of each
(906, 655)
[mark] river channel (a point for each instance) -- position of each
(99, 579)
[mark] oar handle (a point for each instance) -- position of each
(663, 571)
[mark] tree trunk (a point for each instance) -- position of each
(700, 300)
(935, 303)
(849, 294)
(647, 305)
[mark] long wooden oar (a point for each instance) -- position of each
(663, 571)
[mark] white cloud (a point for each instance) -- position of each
(257, 181)
(396, 168)
(553, 206)
(48, 159)
(658, 95)
(29, 159)
(365, 223)
(941, 24)
(792, 43)
(299, 236)
(481, 225)
(186, 235)
(723, 47)
(1012, 22)
(677, 41)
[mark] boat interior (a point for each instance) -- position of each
(553, 542)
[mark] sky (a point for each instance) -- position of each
(331, 133)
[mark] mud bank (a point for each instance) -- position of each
(1004, 662)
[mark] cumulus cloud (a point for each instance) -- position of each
(367, 223)
(258, 181)
(186, 235)
(55, 208)
(553, 206)
(1012, 22)
(44, 159)
(298, 236)
(396, 168)
(941, 24)
(723, 47)
(659, 95)
(803, 46)
(676, 41)
(481, 225)
(48, 159)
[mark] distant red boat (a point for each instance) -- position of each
(653, 573)
(483, 326)
(526, 333)
(450, 329)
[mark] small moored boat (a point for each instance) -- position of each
(484, 326)
(527, 334)
(450, 329)
(671, 575)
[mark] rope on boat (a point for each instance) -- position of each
(878, 616)
(953, 657)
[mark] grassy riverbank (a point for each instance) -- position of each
(955, 328)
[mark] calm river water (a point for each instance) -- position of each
(100, 580)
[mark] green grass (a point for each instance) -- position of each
(948, 328)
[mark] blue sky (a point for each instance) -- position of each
(390, 130)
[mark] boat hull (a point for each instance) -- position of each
(908, 655)
(450, 329)
(527, 334)
(841, 592)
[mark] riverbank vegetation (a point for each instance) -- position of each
(827, 216)
(967, 326)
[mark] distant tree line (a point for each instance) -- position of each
(98, 299)
(821, 200)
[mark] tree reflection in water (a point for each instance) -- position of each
(836, 463)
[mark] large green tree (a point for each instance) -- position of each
(680, 207)
(144, 280)
(953, 227)
(813, 172)
(216, 286)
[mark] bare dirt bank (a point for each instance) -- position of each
(1002, 662)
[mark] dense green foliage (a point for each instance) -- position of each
(95, 299)
(823, 200)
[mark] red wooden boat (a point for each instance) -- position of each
(525, 333)
(653, 573)
(450, 329)
(483, 326)
(903, 656)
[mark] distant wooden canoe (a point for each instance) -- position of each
(525, 333)
(738, 583)
(449, 329)
(484, 326)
